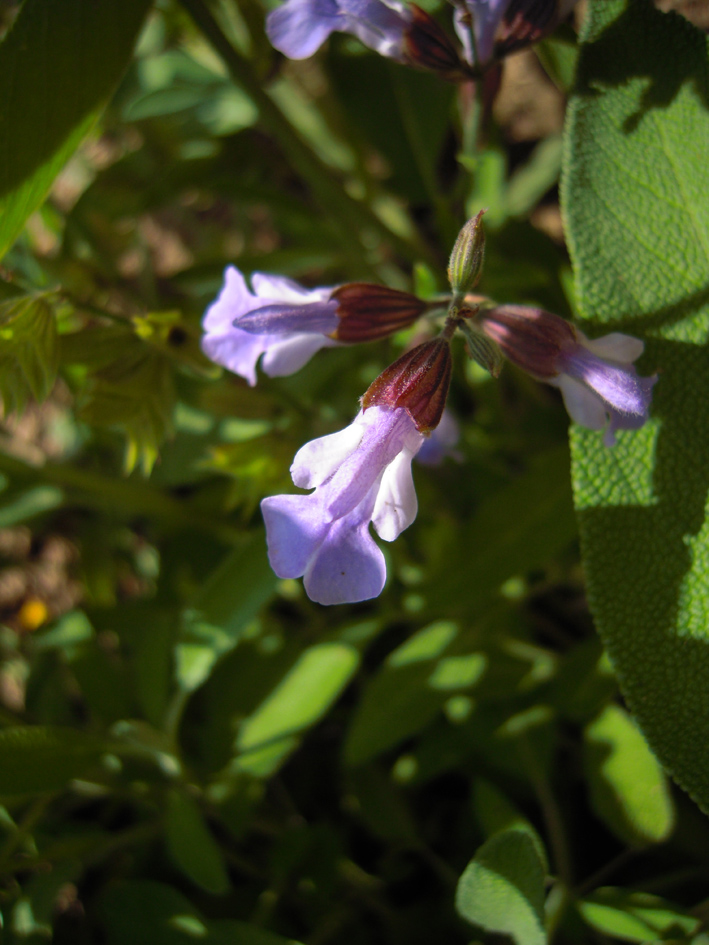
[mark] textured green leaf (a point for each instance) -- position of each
(58, 66)
(502, 888)
(192, 846)
(35, 759)
(638, 226)
(629, 791)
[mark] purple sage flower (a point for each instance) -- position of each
(280, 320)
(597, 379)
(490, 29)
(361, 474)
(600, 386)
(287, 324)
(300, 27)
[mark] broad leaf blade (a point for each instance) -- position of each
(58, 66)
(638, 224)
(502, 888)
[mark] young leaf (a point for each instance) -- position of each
(29, 352)
(502, 888)
(58, 66)
(135, 393)
(638, 226)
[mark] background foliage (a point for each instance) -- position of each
(189, 748)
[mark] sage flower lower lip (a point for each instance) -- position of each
(360, 475)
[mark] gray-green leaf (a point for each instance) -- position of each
(638, 226)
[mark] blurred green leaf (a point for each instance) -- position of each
(58, 66)
(519, 527)
(502, 888)
(493, 810)
(409, 691)
(36, 759)
(303, 696)
(192, 845)
(29, 352)
(628, 788)
(638, 220)
(224, 606)
(635, 916)
(530, 182)
(150, 913)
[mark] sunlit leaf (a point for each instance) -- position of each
(58, 66)
(502, 888)
(635, 195)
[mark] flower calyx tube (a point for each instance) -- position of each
(368, 312)
(418, 381)
(427, 46)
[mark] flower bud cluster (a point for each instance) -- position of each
(362, 474)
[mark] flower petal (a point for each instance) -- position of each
(282, 289)
(396, 505)
(300, 27)
(236, 350)
(315, 462)
(584, 406)
(287, 355)
(380, 26)
(233, 300)
(295, 528)
(348, 566)
(615, 347)
(617, 385)
(440, 442)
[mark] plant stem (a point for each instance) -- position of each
(93, 490)
(349, 214)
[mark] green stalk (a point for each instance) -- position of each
(126, 496)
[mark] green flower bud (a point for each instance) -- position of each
(466, 261)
